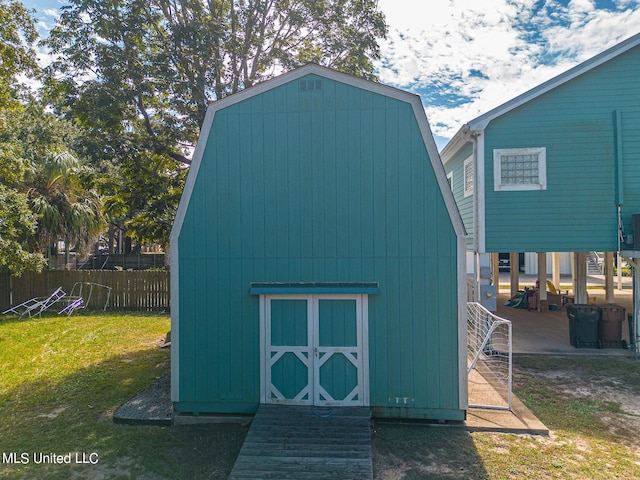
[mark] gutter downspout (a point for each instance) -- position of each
(617, 122)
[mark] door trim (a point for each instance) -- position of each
(362, 311)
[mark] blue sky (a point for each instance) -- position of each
(464, 57)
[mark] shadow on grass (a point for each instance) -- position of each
(10, 318)
(403, 451)
(73, 414)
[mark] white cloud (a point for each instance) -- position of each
(593, 34)
(45, 20)
(51, 12)
(466, 57)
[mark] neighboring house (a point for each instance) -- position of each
(318, 256)
(556, 169)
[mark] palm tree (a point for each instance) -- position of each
(66, 208)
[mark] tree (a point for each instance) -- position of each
(44, 194)
(65, 208)
(42, 169)
(17, 56)
(139, 74)
(17, 222)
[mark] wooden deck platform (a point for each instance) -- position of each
(304, 442)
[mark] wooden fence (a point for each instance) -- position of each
(121, 261)
(130, 290)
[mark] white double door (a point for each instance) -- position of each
(314, 349)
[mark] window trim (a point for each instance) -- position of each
(541, 152)
(468, 191)
(450, 179)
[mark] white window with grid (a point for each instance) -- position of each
(468, 176)
(520, 168)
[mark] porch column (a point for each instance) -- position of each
(573, 273)
(555, 269)
(608, 277)
(636, 307)
(619, 258)
(514, 272)
(542, 277)
(580, 281)
(495, 271)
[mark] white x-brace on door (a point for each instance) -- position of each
(314, 349)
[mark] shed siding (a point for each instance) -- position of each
(575, 122)
(318, 186)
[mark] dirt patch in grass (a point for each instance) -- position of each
(606, 389)
(590, 405)
(585, 383)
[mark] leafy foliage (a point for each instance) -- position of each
(41, 173)
(138, 75)
(17, 34)
(65, 207)
(17, 222)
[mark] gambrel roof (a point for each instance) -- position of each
(315, 69)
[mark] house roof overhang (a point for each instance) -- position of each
(461, 137)
(481, 122)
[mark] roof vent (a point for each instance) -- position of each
(310, 85)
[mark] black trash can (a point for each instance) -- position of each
(583, 325)
(610, 326)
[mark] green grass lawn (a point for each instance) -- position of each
(61, 379)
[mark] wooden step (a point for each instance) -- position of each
(304, 442)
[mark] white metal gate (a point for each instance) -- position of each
(314, 349)
(489, 364)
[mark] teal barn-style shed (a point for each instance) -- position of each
(317, 256)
